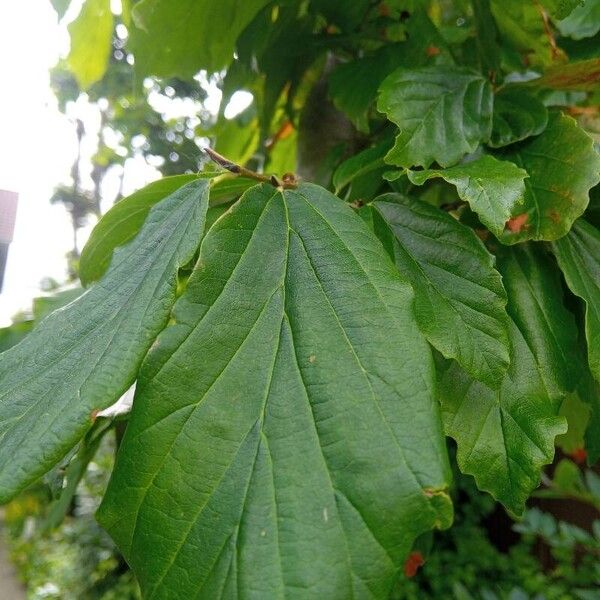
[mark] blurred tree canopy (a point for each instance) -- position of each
(313, 69)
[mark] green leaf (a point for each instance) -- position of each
(44, 305)
(121, 224)
(353, 85)
(285, 435)
(60, 6)
(577, 414)
(459, 298)
(578, 255)
(342, 13)
(365, 162)
(125, 219)
(534, 287)
(443, 113)
(589, 392)
(237, 138)
(504, 436)
(181, 38)
(522, 25)
(486, 38)
(517, 116)
(81, 358)
(583, 22)
(492, 187)
(560, 9)
(13, 334)
(91, 42)
(562, 166)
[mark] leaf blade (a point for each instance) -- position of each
(218, 25)
(505, 436)
(443, 113)
(49, 394)
(537, 308)
(279, 463)
(563, 166)
(460, 303)
(125, 219)
(91, 39)
(121, 224)
(492, 187)
(578, 255)
(517, 116)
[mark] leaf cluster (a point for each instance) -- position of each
(299, 354)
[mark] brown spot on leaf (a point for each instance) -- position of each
(312, 358)
(412, 564)
(518, 223)
(579, 455)
(432, 51)
(554, 216)
(94, 414)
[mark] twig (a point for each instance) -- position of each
(555, 50)
(288, 181)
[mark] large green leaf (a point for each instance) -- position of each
(125, 219)
(91, 42)
(181, 38)
(578, 255)
(562, 166)
(459, 298)
(443, 113)
(285, 439)
(504, 436)
(517, 116)
(83, 357)
(533, 284)
(583, 22)
(492, 187)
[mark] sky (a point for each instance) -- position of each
(37, 147)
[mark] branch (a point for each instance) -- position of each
(288, 181)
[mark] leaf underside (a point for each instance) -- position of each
(81, 358)
(295, 442)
